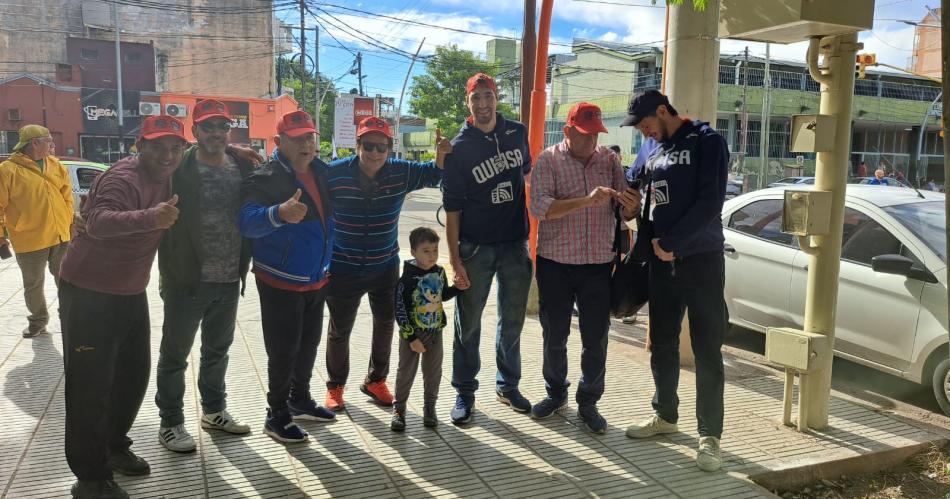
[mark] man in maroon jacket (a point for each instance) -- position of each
(104, 310)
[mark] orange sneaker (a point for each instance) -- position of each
(334, 400)
(378, 391)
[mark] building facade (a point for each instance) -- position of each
(927, 45)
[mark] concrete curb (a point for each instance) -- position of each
(795, 477)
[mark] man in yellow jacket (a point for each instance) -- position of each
(36, 212)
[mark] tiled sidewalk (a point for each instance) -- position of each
(502, 454)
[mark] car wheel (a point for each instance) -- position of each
(941, 385)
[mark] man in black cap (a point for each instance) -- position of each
(685, 182)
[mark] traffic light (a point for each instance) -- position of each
(864, 60)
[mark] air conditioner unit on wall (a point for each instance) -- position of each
(150, 109)
(176, 110)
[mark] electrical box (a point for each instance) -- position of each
(806, 213)
(790, 21)
(813, 133)
(795, 349)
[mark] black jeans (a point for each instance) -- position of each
(292, 322)
(559, 286)
(106, 357)
(344, 294)
(694, 283)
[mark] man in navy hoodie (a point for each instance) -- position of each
(685, 180)
(487, 231)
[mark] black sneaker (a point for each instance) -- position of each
(97, 489)
(429, 419)
(398, 422)
(125, 462)
(281, 427)
(309, 411)
(593, 421)
(547, 408)
(514, 399)
(33, 332)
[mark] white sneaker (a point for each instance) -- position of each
(176, 439)
(653, 426)
(224, 422)
(707, 458)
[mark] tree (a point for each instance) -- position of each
(699, 5)
(440, 93)
(289, 77)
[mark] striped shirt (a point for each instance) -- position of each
(366, 213)
(584, 236)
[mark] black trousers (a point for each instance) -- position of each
(559, 287)
(106, 357)
(292, 322)
(344, 294)
(694, 283)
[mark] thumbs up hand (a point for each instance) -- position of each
(166, 213)
(292, 211)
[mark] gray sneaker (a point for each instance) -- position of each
(225, 422)
(707, 457)
(176, 438)
(33, 332)
(653, 426)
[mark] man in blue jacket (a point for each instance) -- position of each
(487, 232)
(286, 214)
(367, 191)
(685, 180)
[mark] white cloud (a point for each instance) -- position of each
(609, 36)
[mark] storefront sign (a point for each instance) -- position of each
(100, 115)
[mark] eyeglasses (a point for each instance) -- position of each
(370, 147)
(222, 126)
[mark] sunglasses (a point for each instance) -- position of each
(223, 126)
(370, 147)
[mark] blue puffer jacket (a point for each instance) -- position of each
(294, 253)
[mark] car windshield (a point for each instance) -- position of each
(927, 221)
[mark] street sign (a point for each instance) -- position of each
(800, 160)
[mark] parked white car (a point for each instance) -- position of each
(81, 175)
(892, 289)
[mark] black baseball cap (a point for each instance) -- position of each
(645, 104)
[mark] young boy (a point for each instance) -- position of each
(419, 295)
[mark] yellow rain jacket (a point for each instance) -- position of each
(36, 207)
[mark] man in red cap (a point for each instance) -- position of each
(368, 190)
(286, 215)
(104, 309)
(575, 190)
(202, 264)
(487, 233)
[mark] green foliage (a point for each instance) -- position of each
(290, 79)
(699, 5)
(440, 93)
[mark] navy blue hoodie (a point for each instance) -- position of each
(484, 179)
(689, 172)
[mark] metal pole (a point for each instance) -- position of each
(528, 48)
(303, 59)
(316, 77)
(359, 70)
(744, 138)
(920, 136)
(118, 73)
(403, 93)
(764, 124)
(945, 42)
(831, 173)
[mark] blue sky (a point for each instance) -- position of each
(635, 21)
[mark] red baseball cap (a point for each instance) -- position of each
(373, 124)
(483, 79)
(154, 127)
(296, 123)
(586, 118)
(206, 109)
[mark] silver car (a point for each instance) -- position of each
(81, 175)
(892, 288)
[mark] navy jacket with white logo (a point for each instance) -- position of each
(484, 179)
(689, 173)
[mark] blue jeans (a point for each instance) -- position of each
(214, 307)
(511, 262)
(694, 287)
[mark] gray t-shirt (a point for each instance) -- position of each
(220, 239)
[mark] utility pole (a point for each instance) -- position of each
(528, 49)
(359, 70)
(765, 124)
(118, 75)
(402, 93)
(303, 57)
(744, 127)
(316, 77)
